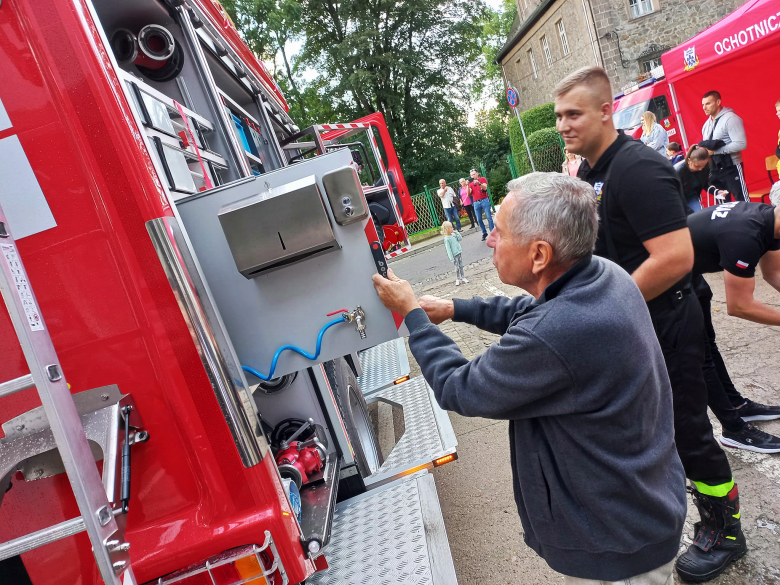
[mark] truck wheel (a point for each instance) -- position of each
(354, 412)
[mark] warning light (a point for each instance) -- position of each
(445, 459)
(401, 380)
(285, 513)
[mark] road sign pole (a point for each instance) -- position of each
(512, 99)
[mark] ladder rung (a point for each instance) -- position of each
(16, 385)
(33, 540)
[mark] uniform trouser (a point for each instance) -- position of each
(660, 576)
(733, 180)
(723, 397)
(679, 325)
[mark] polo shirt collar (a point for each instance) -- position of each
(612, 149)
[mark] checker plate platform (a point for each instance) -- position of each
(382, 365)
(428, 433)
(391, 535)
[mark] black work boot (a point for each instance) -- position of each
(719, 539)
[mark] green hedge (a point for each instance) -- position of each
(515, 136)
(534, 120)
(543, 137)
(547, 150)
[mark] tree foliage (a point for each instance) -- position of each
(421, 63)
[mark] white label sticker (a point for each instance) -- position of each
(22, 287)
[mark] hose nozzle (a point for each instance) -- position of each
(358, 317)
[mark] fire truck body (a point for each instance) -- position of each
(120, 123)
(649, 95)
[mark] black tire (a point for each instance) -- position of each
(354, 413)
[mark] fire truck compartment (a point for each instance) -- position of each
(291, 304)
(396, 530)
(428, 436)
(382, 365)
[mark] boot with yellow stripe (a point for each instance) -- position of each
(719, 539)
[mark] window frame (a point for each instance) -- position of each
(546, 50)
(562, 37)
(638, 4)
(533, 62)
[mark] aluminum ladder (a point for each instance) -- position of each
(106, 532)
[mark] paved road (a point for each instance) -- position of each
(433, 264)
(476, 491)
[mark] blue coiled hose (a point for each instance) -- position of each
(305, 354)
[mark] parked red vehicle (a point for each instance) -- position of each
(189, 282)
(649, 95)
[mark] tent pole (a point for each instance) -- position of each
(679, 116)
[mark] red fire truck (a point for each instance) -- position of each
(198, 383)
(651, 94)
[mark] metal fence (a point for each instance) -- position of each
(430, 211)
(547, 158)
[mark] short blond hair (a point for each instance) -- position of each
(593, 77)
(446, 228)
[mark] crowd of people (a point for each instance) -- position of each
(606, 369)
(472, 197)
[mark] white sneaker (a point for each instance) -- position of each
(457, 283)
(465, 281)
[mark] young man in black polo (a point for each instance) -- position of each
(735, 238)
(643, 229)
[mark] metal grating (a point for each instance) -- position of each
(382, 365)
(426, 436)
(379, 539)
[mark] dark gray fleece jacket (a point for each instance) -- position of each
(580, 376)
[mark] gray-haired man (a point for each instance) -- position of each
(580, 377)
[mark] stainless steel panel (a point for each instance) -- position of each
(288, 306)
(382, 365)
(214, 348)
(428, 432)
(345, 194)
(393, 535)
(277, 227)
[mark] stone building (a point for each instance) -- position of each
(551, 38)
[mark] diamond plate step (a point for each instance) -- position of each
(382, 365)
(391, 535)
(428, 433)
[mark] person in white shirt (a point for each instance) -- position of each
(447, 196)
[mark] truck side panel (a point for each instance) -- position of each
(113, 316)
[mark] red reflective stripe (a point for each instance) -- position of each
(206, 178)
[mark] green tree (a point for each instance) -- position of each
(267, 27)
(417, 62)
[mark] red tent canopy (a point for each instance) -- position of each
(739, 57)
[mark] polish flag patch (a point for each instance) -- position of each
(741, 264)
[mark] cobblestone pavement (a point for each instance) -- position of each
(476, 491)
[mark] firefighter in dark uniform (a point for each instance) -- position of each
(735, 238)
(643, 228)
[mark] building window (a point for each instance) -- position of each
(533, 62)
(650, 64)
(562, 35)
(546, 49)
(640, 7)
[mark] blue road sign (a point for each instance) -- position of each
(511, 96)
